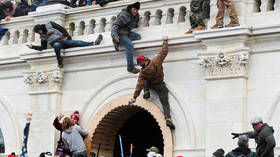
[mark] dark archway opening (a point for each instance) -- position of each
(142, 131)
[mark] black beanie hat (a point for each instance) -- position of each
(135, 5)
(219, 153)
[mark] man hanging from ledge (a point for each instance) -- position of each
(55, 35)
(121, 33)
(151, 76)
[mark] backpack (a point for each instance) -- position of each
(234, 155)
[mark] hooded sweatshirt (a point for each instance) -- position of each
(239, 151)
(73, 138)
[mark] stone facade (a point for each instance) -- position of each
(218, 79)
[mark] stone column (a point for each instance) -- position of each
(44, 80)
(226, 67)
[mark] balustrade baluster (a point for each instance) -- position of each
(76, 30)
(24, 36)
(264, 5)
(102, 25)
(277, 5)
(169, 16)
(182, 15)
(81, 28)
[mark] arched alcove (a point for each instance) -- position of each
(120, 89)
(9, 127)
(105, 125)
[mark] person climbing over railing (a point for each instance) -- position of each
(57, 36)
(121, 33)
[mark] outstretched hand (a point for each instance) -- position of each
(235, 135)
(29, 46)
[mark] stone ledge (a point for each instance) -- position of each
(222, 32)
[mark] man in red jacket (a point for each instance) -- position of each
(151, 76)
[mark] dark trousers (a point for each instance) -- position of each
(25, 138)
(64, 44)
(162, 92)
(79, 154)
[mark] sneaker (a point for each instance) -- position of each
(116, 45)
(170, 124)
(232, 25)
(98, 40)
(146, 94)
(134, 70)
(217, 26)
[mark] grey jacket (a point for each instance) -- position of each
(73, 138)
(52, 35)
(124, 23)
(265, 141)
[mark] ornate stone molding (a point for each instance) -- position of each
(225, 66)
(44, 81)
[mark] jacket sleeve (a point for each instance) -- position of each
(250, 134)
(43, 46)
(61, 29)
(139, 86)
(270, 144)
(57, 124)
(159, 58)
(82, 132)
(121, 20)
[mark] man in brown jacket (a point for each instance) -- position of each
(229, 4)
(151, 76)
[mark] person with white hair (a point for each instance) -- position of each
(263, 135)
(243, 149)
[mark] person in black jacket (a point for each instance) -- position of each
(55, 35)
(263, 135)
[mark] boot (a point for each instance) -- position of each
(189, 31)
(217, 26)
(146, 94)
(200, 27)
(98, 40)
(60, 63)
(133, 70)
(231, 24)
(116, 45)
(170, 124)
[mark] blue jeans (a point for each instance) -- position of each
(65, 44)
(25, 138)
(126, 41)
(79, 154)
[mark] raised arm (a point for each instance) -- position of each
(164, 51)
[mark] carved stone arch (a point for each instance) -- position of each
(101, 102)
(140, 104)
(9, 127)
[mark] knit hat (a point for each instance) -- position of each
(75, 116)
(140, 58)
(153, 149)
(242, 141)
(256, 120)
(135, 5)
(219, 153)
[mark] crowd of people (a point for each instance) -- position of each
(9, 9)
(151, 76)
(263, 136)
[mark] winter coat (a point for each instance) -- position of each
(73, 138)
(153, 72)
(265, 141)
(124, 23)
(55, 32)
(239, 151)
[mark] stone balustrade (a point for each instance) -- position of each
(85, 23)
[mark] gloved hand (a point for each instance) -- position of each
(235, 135)
(146, 94)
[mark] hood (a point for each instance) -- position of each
(240, 151)
(68, 131)
(267, 128)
